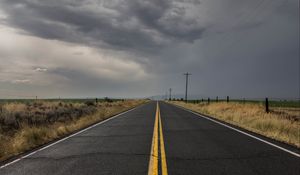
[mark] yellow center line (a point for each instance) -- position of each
(153, 163)
(162, 148)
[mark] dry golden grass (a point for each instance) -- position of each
(281, 126)
(14, 107)
(28, 136)
(289, 113)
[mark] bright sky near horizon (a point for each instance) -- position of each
(132, 48)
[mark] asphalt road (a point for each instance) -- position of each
(197, 146)
(125, 144)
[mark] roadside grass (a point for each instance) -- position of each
(282, 126)
(64, 100)
(272, 102)
(26, 126)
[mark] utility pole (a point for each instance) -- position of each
(186, 84)
(170, 92)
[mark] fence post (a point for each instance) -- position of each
(208, 100)
(267, 105)
(227, 99)
(244, 101)
(217, 99)
(96, 100)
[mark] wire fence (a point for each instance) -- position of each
(279, 105)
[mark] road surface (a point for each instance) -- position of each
(159, 139)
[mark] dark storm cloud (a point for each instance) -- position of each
(240, 48)
(152, 12)
(133, 25)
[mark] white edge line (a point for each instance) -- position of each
(65, 138)
(245, 133)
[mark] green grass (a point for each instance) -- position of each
(272, 103)
(294, 104)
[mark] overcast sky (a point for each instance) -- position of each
(134, 48)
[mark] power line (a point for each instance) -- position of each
(186, 84)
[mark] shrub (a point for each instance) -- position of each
(106, 99)
(42, 113)
(90, 103)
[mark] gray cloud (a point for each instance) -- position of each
(39, 69)
(141, 48)
(119, 24)
(21, 81)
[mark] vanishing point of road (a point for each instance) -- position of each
(159, 138)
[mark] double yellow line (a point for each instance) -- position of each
(156, 140)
